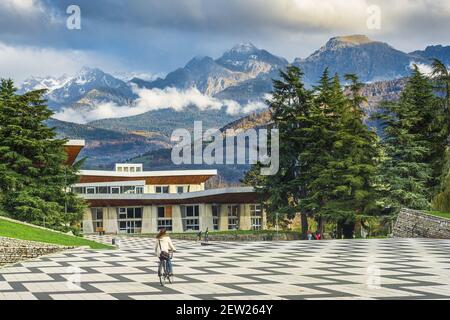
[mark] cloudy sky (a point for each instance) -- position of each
(158, 36)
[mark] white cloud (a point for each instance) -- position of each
(156, 99)
(22, 6)
(19, 62)
(426, 69)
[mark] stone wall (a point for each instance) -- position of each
(416, 224)
(14, 250)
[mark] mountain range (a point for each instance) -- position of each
(242, 76)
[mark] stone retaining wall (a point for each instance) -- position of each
(416, 224)
(14, 250)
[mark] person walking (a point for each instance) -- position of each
(163, 246)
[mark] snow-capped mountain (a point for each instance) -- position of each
(86, 80)
(243, 73)
(88, 87)
(237, 65)
(245, 57)
(49, 83)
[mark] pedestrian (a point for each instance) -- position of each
(318, 236)
(163, 247)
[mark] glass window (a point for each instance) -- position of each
(162, 189)
(190, 218)
(138, 213)
(161, 212)
(256, 223)
(90, 190)
(102, 190)
(130, 220)
(130, 213)
(165, 223)
(115, 190)
(233, 217)
(216, 216)
(139, 190)
(255, 210)
(97, 218)
(180, 189)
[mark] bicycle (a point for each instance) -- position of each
(165, 276)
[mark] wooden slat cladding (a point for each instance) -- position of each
(72, 153)
(148, 180)
(232, 198)
(168, 212)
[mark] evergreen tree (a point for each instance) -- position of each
(34, 178)
(412, 141)
(441, 79)
(344, 185)
(291, 107)
(327, 154)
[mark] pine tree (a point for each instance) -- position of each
(34, 178)
(411, 138)
(344, 185)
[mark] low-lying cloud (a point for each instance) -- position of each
(155, 99)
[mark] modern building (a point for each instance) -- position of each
(130, 200)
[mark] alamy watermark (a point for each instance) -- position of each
(230, 147)
(73, 22)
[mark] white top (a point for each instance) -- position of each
(166, 245)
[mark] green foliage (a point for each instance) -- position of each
(34, 178)
(327, 154)
(441, 81)
(414, 144)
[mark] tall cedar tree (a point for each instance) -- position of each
(291, 107)
(413, 142)
(441, 80)
(343, 187)
(326, 152)
(34, 178)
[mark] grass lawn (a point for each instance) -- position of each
(439, 214)
(23, 232)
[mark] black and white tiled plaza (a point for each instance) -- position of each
(339, 269)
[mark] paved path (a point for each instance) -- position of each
(341, 269)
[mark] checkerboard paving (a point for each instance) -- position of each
(337, 269)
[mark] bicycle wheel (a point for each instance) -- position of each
(162, 273)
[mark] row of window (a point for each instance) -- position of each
(123, 189)
(130, 219)
(109, 190)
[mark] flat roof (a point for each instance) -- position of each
(165, 173)
(225, 195)
(75, 143)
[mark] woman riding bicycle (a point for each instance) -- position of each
(164, 244)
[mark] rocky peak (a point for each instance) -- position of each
(243, 48)
(347, 41)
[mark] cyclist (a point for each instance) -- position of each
(164, 244)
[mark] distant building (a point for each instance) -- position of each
(130, 200)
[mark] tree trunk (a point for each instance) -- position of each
(304, 221)
(348, 230)
(320, 225)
